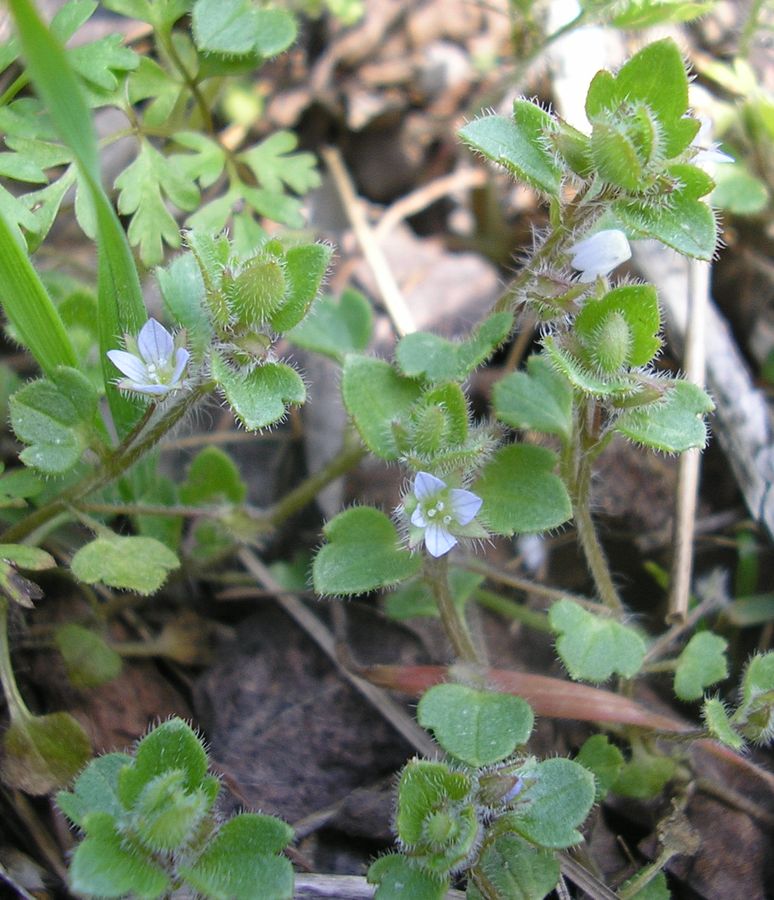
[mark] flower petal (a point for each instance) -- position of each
(427, 485)
(438, 540)
(155, 343)
(418, 519)
(181, 361)
(464, 505)
(126, 384)
(129, 364)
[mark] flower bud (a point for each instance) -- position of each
(600, 254)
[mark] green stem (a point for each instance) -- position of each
(576, 464)
(592, 548)
(17, 708)
(148, 509)
(165, 39)
(348, 457)
(512, 610)
(436, 572)
(18, 84)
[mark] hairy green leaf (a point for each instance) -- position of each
(139, 564)
(520, 491)
(362, 553)
(518, 144)
(477, 727)
(594, 647)
(539, 399)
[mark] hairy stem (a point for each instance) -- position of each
(577, 466)
(436, 573)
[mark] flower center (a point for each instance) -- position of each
(434, 508)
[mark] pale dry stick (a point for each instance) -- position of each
(394, 302)
(424, 196)
(13, 885)
(321, 635)
(690, 461)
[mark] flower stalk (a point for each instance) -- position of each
(436, 573)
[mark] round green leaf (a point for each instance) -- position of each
(521, 492)
(376, 396)
(138, 564)
(594, 647)
(173, 745)
(477, 727)
(603, 759)
(242, 861)
(518, 144)
(558, 796)
(104, 866)
(259, 397)
(398, 878)
(673, 424)
(739, 192)
(539, 399)
(95, 789)
(54, 417)
(702, 663)
(638, 304)
(362, 553)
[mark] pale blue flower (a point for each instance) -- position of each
(711, 155)
(600, 254)
(157, 367)
(440, 511)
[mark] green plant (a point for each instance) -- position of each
(150, 827)
(490, 811)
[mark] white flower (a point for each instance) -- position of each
(600, 254)
(157, 367)
(441, 510)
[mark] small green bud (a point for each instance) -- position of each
(611, 342)
(615, 156)
(429, 431)
(440, 827)
(574, 148)
(166, 813)
(256, 292)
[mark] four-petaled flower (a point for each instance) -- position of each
(600, 254)
(440, 511)
(156, 367)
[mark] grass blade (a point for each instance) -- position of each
(121, 307)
